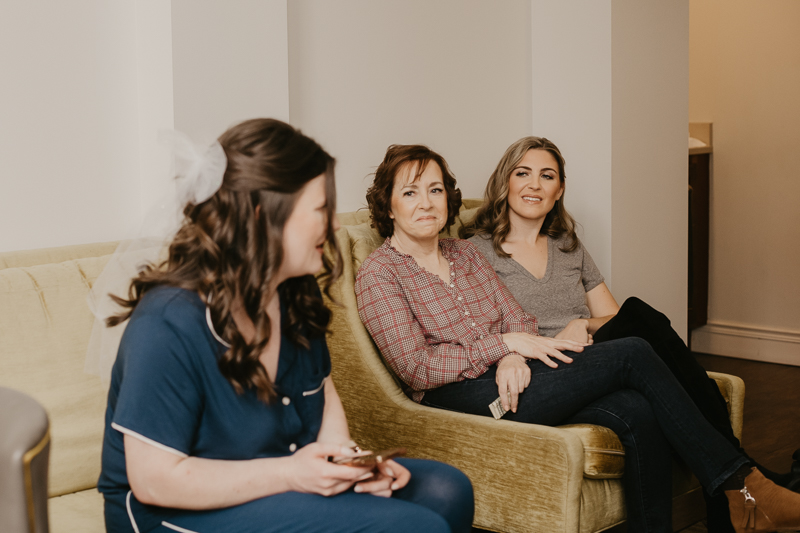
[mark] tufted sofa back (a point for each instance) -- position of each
(44, 330)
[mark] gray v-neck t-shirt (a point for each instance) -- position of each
(558, 297)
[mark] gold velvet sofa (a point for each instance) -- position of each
(526, 477)
(44, 330)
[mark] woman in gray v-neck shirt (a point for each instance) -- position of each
(522, 227)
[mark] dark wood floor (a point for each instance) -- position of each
(771, 431)
(771, 411)
(771, 408)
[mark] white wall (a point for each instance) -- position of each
(230, 63)
(69, 127)
(610, 85)
(156, 108)
(86, 87)
(452, 74)
(745, 75)
(571, 80)
(605, 79)
(649, 215)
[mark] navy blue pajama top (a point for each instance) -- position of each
(167, 390)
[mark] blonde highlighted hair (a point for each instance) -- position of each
(492, 216)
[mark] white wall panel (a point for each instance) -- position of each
(230, 63)
(650, 108)
(610, 88)
(69, 169)
(452, 74)
(571, 73)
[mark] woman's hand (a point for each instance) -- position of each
(513, 375)
(541, 348)
(388, 476)
(576, 330)
(311, 472)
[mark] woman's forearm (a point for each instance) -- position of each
(334, 421)
(602, 307)
(160, 478)
(596, 323)
(579, 329)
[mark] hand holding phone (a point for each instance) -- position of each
(372, 459)
(387, 475)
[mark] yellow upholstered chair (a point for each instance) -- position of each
(526, 477)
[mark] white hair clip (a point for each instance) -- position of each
(198, 172)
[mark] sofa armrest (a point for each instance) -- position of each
(24, 455)
(732, 389)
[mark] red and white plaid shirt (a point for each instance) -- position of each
(431, 332)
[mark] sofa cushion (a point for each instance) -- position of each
(59, 254)
(354, 218)
(80, 512)
(363, 241)
(45, 325)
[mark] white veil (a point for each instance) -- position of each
(198, 172)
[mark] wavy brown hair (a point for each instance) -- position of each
(492, 216)
(379, 195)
(230, 247)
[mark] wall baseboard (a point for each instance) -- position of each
(746, 342)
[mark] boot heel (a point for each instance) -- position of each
(762, 506)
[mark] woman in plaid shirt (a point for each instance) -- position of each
(452, 332)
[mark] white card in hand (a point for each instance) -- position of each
(496, 407)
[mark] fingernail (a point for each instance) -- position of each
(389, 472)
(357, 488)
(395, 486)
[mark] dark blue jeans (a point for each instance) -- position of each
(437, 499)
(637, 319)
(623, 385)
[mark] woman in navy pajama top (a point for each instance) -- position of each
(221, 412)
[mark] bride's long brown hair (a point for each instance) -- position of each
(231, 246)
